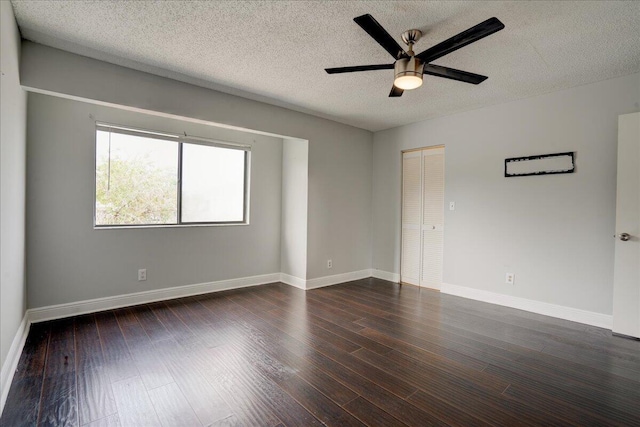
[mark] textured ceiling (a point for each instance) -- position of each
(276, 51)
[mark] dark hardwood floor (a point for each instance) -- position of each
(367, 352)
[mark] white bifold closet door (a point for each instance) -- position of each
(422, 217)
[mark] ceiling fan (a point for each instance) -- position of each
(409, 67)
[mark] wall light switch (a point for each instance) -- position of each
(452, 206)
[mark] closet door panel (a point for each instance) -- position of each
(411, 217)
(432, 217)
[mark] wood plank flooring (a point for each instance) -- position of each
(368, 352)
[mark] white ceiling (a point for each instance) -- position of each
(276, 51)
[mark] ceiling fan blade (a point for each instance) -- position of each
(379, 34)
(395, 92)
(453, 74)
(466, 37)
(359, 68)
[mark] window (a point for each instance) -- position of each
(149, 178)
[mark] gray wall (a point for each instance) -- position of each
(13, 115)
(295, 187)
(340, 156)
(68, 260)
(554, 232)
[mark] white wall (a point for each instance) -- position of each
(554, 232)
(295, 186)
(13, 115)
(340, 156)
(68, 260)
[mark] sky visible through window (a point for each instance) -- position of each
(212, 184)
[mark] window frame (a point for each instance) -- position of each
(180, 140)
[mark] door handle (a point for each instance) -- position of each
(624, 236)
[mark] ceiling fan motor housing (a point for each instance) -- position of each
(408, 72)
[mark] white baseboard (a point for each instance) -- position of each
(13, 357)
(338, 278)
(320, 282)
(108, 303)
(385, 275)
(553, 310)
(294, 281)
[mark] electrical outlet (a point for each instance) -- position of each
(510, 278)
(452, 206)
(329, 263)
(142, 275)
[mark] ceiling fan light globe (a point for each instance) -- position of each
(408, 82)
